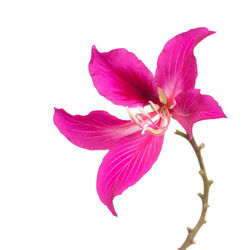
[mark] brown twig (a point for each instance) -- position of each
(204, 197)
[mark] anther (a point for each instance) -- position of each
(172, 106)
(153, 131)
(162, 97)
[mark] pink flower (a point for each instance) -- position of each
(134, 145)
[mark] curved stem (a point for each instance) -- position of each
(204, 197)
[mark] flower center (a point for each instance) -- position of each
(155, 122)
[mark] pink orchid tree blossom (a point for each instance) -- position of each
(134, 145)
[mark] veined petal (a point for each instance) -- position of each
(176, 66)
(125, 163)
(122, 78)
(192, 106)
(97, 130)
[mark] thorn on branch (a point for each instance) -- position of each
(201, 146)
(192, 242)
(202, 173)
(189, 230)
(210, 182)
(206, 206)
(201, 195)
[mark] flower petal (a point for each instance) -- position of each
(191, 107)
(97, 130)
(125, 163)
(176, 66)
(122, 78)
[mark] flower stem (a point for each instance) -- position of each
(204, 197)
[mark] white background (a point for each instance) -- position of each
(48, 198)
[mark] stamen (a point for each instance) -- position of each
(139, 117)
(157, 127)
(153, 131)
(130, 113)
(162, 96)
(154, 107)
(136, 120)
(132, 117)
(143, 112)
(164, 122)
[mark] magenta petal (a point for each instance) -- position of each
(176, 66)
(125, 163)
(191, 107)
(97, 130)
(122, 78)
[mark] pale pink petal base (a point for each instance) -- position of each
(192, 106)
(97, 130)
(125, 163)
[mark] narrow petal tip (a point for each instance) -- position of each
(112, 209)
(93, 49)
(56, 110)
(223, 115)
